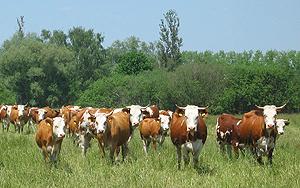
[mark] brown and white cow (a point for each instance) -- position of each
(35, 115)
(113, 131)
(49, 136)
(150, 131)
(3, 117)
(224, 128)
(86, 127)
(50, 112)
(151, 112)
(19, 117)
(257, 129)
(188, 132)
(165, 121)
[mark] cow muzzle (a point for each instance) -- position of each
(270, 126)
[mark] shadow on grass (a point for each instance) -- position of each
(204, 169)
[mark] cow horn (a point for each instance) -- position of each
(259, 107)
(280, 107)
(110, 113)
(182, 108)
(202, 108)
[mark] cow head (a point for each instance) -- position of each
(41, 114)
(21, 110)
(280, 124)
(191, 112)
(270, 113)
(101, 121)
(58, 127)
(165, 121)
(85, 120)
(136, 115)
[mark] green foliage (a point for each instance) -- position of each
(133, 63)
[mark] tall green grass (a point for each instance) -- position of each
(21, 165)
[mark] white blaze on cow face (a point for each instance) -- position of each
(85, 119)
(58, 127)
(165, 122)
(135, 114)
(101, 122)
(21, 110)
(270, 113)
(148, 109)
(280, 124)
(192, 114)
(41, 114)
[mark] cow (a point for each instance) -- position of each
(51, 113)
(113, 131)
(150, 131)
(257, 130)
(86, 127)
(35, 115)
(150, 112)
(3, 116)
(49, 136)
(19, 117)
(135, 117)
(224, 128)
(188, 131)
(165, 121)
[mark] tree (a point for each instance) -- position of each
(133, 63)
(170, 42)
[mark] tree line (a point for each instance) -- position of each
(56, 68)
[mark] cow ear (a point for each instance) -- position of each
(179, 111)
(286, 122)
(49, 121)
(91, 118)
(109, 119)
(126, 110)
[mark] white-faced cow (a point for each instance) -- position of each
(188, 132)
(49, 136)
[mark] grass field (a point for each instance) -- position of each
(21, 165)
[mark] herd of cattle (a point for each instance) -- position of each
(113, 128)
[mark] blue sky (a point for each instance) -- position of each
(231, 25)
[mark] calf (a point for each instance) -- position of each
(49, 136)
(188, 132)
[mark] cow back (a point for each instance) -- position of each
(119, 128)
(150, 127)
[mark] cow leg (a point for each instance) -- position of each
(258, 155)
(112, 152)
(197, 147)
(154, 140)
(186, 157)
(229, 152)
(270, 156)
(145, 145)
(85, 143)
(45, 153)
(124, 151)
(101, 148)
(178, 149)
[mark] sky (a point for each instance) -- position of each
(229, 25)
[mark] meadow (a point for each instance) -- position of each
(21, 164)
